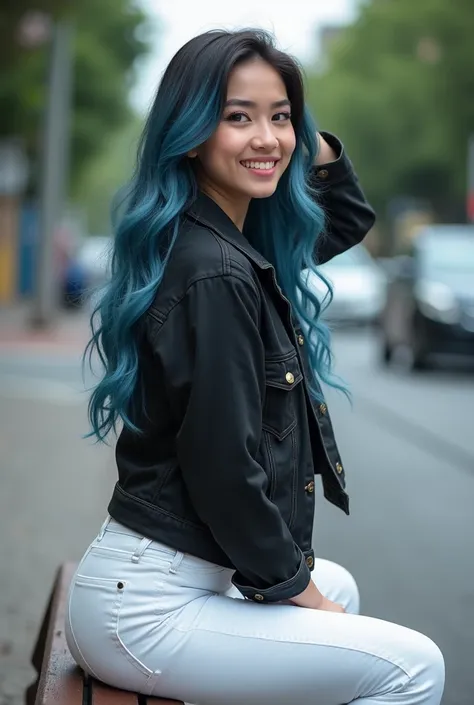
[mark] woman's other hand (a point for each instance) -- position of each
(312, 598)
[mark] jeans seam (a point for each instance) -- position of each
(296, 641)
(133, 660)
(73, 637)
(191, 627)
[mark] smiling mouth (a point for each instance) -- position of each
(261, 165)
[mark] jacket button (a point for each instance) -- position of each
(323, 173)
(310, 487)
(289, 378)
(310, 561)
(323, 409)
(258, 597)
(338, 468)
(300, 340)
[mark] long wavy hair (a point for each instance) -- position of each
(284, 228)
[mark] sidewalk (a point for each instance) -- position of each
(69, 332)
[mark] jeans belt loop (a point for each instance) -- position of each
(176, 562)
(140, 550)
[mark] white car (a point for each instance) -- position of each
(359, 288)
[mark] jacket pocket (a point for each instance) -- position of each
(279, 410)
(279, 447)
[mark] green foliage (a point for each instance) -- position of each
(107, 45)
(105, 174)
(108, 38)
(397, 87)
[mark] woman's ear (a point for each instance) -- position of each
(192, 154)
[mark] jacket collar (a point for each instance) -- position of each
(206, 212)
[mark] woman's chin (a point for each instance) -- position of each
(263, 190)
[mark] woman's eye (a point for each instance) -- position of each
(238, 117)
(282, 117)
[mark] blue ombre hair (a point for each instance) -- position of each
(284, 228)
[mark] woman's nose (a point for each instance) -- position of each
(264, 138)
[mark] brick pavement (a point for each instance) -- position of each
(69, 332)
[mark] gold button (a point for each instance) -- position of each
(258, 597)
(310, 487)
(323, 173)
(289, 378)
(323, 409)
(310, 561)
(300, 340)
(338, 468)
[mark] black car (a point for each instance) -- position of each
(429, 305)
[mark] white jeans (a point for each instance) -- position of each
(147, 618)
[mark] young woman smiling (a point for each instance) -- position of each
(213, 356)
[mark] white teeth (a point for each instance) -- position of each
(258, 165)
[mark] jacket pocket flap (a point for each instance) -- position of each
(283, 374)
(279, 411)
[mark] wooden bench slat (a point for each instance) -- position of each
(104, 695)
(60, 682)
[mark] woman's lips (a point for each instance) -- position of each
(260, 167)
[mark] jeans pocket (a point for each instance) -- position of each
(96, 616)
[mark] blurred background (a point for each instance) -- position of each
(394, 79)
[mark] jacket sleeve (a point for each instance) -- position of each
(349, 216)
(211, 350)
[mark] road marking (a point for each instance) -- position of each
(39, 389)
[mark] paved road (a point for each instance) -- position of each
(54, 492)
(409, 450)
(408, 446)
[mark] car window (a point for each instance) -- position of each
(447, 254)
(355, 257)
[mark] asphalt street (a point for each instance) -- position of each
(408, 447)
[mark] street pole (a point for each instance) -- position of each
(53, 173)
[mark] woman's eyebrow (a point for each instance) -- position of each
(241, 103)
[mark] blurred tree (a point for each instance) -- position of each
(23, 24)
(108, 41)
(108, 44)
(106, 173)
(397, 86)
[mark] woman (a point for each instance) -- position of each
(213, 368)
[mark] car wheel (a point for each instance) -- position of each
(386, 353)
(419, 363)
(419, 355)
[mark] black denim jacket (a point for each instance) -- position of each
(225, 468)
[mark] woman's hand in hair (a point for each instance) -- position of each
(326, 154)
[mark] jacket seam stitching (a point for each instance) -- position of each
(294, 477)
(161, 317)
(160, 485)
(160, 510)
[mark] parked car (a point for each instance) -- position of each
(87, 270)
(358, 284)
(430, 298)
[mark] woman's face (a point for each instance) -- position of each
(255, 139)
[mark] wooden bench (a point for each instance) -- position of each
(60, 681)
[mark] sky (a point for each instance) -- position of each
(293, 22)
